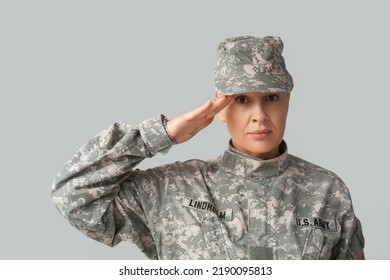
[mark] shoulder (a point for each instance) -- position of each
(316, 179)
(311, 169)
(191, 167)
(320, 184)
(188, 168)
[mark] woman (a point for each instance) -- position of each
(255, 201)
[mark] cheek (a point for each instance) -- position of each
(236, 121)
(281, 121)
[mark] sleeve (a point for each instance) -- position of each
(92, 191)
(355, 249)
(351, 244)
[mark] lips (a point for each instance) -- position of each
(260, 134)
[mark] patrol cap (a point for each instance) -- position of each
(251, 64)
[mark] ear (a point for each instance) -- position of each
(288, 101)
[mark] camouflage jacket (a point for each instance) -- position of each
(232, 207)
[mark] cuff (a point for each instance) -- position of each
(155, 135)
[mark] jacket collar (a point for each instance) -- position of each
(241, 164)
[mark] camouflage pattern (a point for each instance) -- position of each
(232, 207)
(251, 64)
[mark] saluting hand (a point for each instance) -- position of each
(184, 127)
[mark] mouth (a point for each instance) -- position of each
(260, 134)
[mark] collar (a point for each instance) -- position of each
(241, 164)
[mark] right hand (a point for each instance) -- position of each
(182, 128)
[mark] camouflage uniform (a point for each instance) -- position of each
(232, 207)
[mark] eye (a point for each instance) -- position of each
(272, 97)
(242, 99)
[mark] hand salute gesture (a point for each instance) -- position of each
(184, 127)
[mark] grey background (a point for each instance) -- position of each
(69, 69)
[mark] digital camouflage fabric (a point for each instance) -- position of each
(251, 64)
(232, 207)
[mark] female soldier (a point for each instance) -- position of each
(255, 201)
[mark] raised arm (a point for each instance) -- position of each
(92, 190)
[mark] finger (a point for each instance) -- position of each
(211, 108)
(220, 103)
(202, 110)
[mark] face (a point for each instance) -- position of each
(256, 122)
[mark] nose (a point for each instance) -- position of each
(259, 113)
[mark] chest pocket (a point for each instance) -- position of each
(214, 238)
(319, 244)
(194, 234)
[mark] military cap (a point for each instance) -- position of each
(251, 64)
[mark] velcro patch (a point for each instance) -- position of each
(208, 206)
(328, 224)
